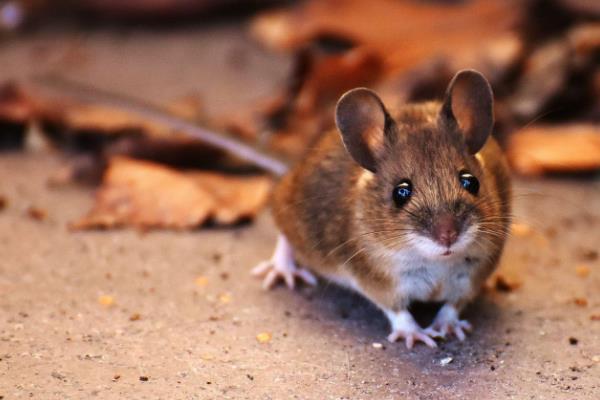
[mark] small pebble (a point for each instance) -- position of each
(377, 345)
(581, 301)
(37, 214)
(225, 298)
(264, 337)
(573, 341)
(106, 300)
(201, 281)
(446, 361)
(582, 271)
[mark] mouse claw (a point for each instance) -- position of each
(288, 273)
(447, 322)
(405, 327)
(410, 337)
(434, 333)
(282, 267)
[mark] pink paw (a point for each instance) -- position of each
(404, 326)
(412, 336)
(447, 322)
(274, 272)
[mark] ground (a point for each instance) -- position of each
(122, 314)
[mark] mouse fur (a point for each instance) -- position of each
(338, 219)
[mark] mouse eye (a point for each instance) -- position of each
(402, 192)
(469, 182)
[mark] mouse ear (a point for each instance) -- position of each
(469, 103)
(362, 120)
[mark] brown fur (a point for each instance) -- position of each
(338, 225)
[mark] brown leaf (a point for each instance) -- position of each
(559, 148)
(545, 74)
(393, 28)
(15, 106)
(288, 121)
(505, 283)
(15, 113)
(147, 195)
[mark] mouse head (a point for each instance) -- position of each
(422, 184)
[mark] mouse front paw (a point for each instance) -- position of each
(411, 337)
(447, 322)
(282, 267)
(405, 327)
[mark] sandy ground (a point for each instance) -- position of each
(167, 337)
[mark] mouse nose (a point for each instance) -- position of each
(445, 230)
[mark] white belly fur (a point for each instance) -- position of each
(423, 279)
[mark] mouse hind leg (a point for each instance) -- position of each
(282, 266)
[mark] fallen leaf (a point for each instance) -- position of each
(148, 196)
(545, 74)
(15, 114)
(290, 120)
(264, 337)
(15, 104)
(555, 148)
(393, 28)
(503, 283)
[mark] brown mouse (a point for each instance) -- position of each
(407, 205)
(410, 205)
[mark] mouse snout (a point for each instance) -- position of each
(445, 230)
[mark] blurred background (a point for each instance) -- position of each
(87, 309)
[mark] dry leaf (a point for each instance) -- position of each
(147, 195)
(555, 148)
(393, 28)
(504, 283)
(289, 121)
(15, 113)
(545, 74)
(15, 106)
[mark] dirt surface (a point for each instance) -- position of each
(175, 315)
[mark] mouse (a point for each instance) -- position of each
(399, 205)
